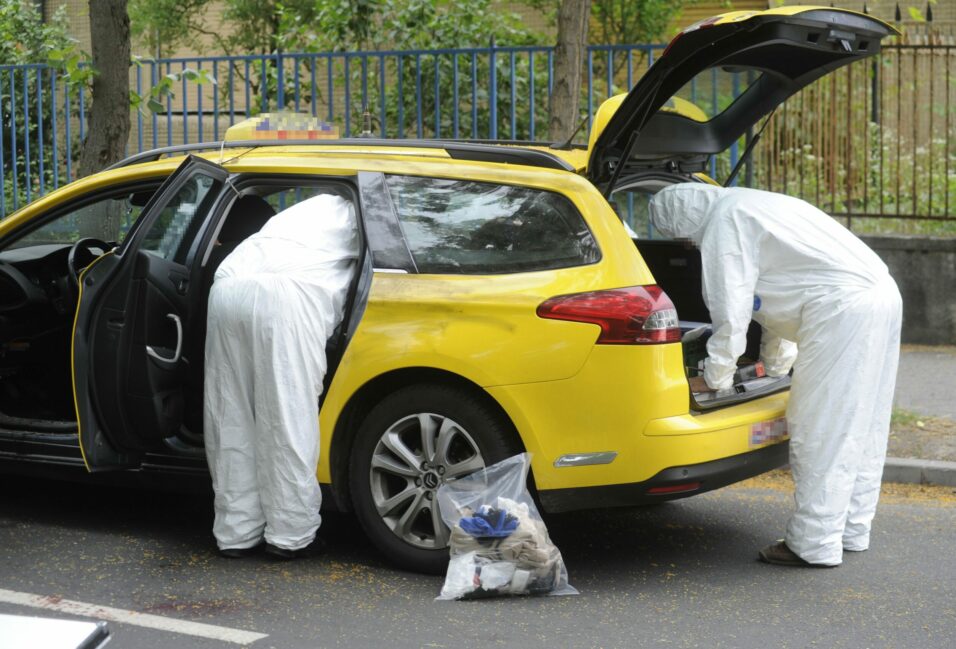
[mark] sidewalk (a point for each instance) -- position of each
(926, 383)
(922, 445)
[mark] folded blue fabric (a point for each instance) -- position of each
(489, 522)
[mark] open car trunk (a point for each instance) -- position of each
(677, 269)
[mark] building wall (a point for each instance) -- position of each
(944, 17)
(540, 21)
(78, 22)
(925, 271)
(78, 19)
(943, 10)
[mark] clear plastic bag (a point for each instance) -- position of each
(499, 545)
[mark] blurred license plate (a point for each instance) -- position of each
(768, 432)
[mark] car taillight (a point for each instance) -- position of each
(701, 24)
(636, 315)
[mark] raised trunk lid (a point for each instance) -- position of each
(780, 51)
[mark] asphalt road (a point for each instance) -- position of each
(678, 575)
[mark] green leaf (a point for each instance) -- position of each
(916, 14)
(205, 78)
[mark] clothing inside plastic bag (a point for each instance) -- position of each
(498, 545)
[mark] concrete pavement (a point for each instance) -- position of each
(926, 383)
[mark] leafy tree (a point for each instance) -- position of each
(165, 25)
(26, 39)
(440, 24)
(246, 27)
(261, 26)
(612, 22)
(352, 25)
(373, 25)
(618, 22)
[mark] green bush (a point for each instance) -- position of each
(24, 40)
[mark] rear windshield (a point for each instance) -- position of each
(711, 92)
(466, 227)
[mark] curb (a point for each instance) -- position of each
(914, 471)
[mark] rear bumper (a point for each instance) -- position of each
(708, 476)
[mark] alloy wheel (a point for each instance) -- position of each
(412, 459)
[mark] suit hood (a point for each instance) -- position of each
(683, 210)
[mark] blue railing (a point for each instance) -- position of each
(831, 144)
(478, 93)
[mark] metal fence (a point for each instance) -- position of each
(873, 143)
(846, 143)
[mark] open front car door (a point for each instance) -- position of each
(133, 313)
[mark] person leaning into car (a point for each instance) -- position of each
(806, 279)
(274, 302)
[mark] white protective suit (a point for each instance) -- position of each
(805, 278)
(274, 303)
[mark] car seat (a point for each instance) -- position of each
(246, 217)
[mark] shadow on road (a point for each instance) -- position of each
(596, 542)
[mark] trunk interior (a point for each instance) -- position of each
(676, 267)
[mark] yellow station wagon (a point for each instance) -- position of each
(501, 305)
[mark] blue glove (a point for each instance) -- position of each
(489, 522)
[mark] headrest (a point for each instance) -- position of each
(246, 217)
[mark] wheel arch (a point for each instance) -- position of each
(365, 398)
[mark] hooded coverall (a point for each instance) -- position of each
(274, 303)
(806, 280)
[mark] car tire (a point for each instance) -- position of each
(394, 501)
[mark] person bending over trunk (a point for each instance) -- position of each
(274, 303)
(807, 281)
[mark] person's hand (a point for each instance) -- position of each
(698, 384)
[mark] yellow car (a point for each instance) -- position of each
(501, 305)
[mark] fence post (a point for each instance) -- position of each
(280, 81)
(874, 84)
(493, 91)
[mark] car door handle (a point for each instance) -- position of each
(179, 282)
(179, 342)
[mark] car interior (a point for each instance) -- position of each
(38, 295)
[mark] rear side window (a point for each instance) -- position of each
(475, 228)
